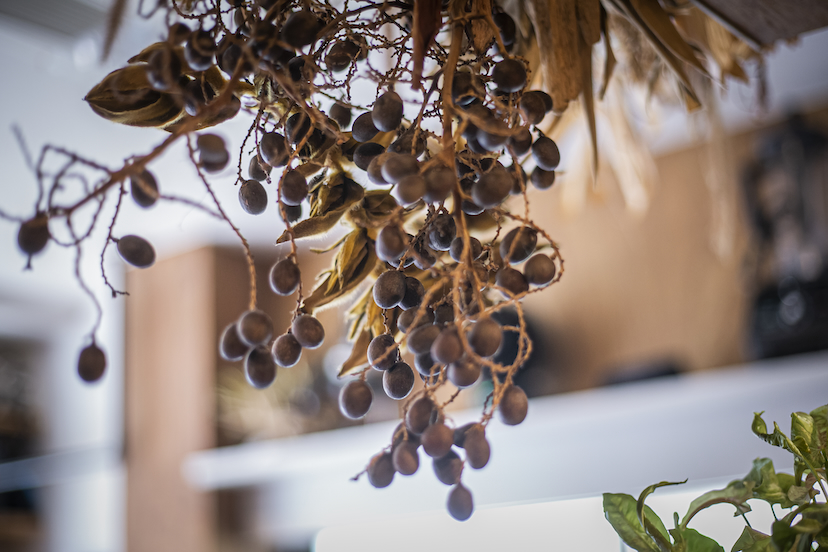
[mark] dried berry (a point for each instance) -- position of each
(136, 251)
(308, 331)
(383, 352)
(509, 75)
(365, 153)
(34, 234)
(293, 188)
(255, 328)
(448, 468)
(539, 270)
(144, 189)
(414, 293)
(285, 277)
(398, 381)
(286, 350)
(91, 363)
(405, 458)
(485, 337)
(464, 372)
(511, 282)
(363, 128)
(513, 405)
(300, 29)
(387, 112)
(546, 154)
(231, 347)
(253, 197)
(341, 114)
(518, 244)
(456, 248)
(355, 399)
(447, 347)
(259, 367)
(381, 470)
(389, 289)
(442, 232)
(460, 503)
(419, 415)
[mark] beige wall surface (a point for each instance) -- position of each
(650, 287)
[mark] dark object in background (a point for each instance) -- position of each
(644, 371)
(786, 193)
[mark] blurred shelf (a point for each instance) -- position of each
(617, 439)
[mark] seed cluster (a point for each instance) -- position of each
(430, 159)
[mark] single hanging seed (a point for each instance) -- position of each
(253, 197)
(91, 363)
(383, 352)
(294, 188)
(398, 381)
(514, 405)
(308, 331)
(136, 251)
(460, 503)
(259, 367)
(355, 399)
(231, 347)
(144, 189)
(286, 350)
(381, 470)
(34, 234)
(387, 112)
(546, 154)
(285, 277)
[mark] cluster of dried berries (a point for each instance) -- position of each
(429, 160)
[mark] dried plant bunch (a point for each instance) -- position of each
(417, 159)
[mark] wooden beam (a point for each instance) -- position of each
(761, 23)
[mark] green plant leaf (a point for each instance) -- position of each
(752, 540)
(782, 535)
(736, 493)
(690, 540)
(770, 486)
(820, 417)
(620, 511)
(654, 527)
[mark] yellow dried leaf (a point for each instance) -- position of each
(124, 96)
(358, 358)
(659, 24)
(324, 294)
(330, 204)
(609, 56)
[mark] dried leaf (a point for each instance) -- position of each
(722, 46)
(609, 56)
(115, 20)
(589, 19)
(556, 29)
(357, 268)
(659, 23)
(427, 22)
(480, 32)
(329, 204)
(358, 358)
(675, 64)
(589, 101)
(374, 210)
(124, 96)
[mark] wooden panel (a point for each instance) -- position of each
(170, 401)
(763, 22)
